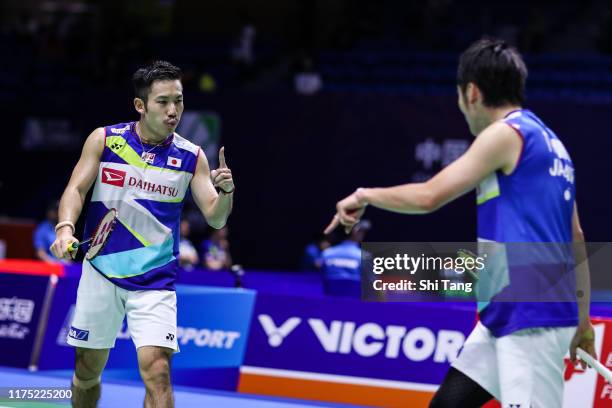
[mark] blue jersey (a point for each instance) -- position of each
(532, 204)
(147, 185)
(342, 261)
(44, 236)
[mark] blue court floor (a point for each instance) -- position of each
(131, 394)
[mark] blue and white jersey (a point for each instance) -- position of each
(533, 204)
(147, 187)
(342, 261)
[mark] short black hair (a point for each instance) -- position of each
(497, 69)
(157, 71)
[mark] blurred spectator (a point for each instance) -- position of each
(188, 255)
(215, 250)
(242, 53)
(312, 260)
(307, 80)
(44, 235)
(342, 264)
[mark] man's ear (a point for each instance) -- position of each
(473, 93)
(139, 105)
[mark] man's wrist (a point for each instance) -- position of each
(584, 322)
(61, 226)
(361, 195)
(64, 233)
(586, 332)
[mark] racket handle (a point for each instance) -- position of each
(75, 245)
(595, 364)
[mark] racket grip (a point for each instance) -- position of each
(73, 247)
(595, 364)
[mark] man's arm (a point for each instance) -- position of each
(71, 203)
(498, 147)
(585, 335)
(215, 207)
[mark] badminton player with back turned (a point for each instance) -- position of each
(143, 169)
(515, 160)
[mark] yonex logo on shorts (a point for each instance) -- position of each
(78, 334)
(113, 177)
(170, 336)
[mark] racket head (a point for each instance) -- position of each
(102, 233)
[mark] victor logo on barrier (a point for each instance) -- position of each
(371, 339)
(276, 335)
(78, 334)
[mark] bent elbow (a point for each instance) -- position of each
(428, 202)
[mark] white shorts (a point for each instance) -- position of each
(523, 369)
(102, 305)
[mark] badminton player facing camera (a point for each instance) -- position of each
(143, 170)
(515, 160)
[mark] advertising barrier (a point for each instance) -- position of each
(20, 311)
(378, 354)
(310, 347)
(349, 351)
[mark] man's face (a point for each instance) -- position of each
(164, 106)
